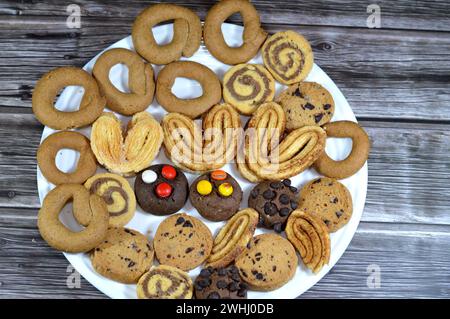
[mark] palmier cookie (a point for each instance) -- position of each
(253, 36)
(124, 256)
(325, 165)
(233, 237)
(268, 263)
(187, 33)
(329, 200)
(246, 86)
(182, 241)
(305, 104)
(117, 194)
(288, 56)
(220, 283)
(212, 92)
(161, 189)
(165, 282)
(216, 195)
(140, 81)
(48, 87)
(274, 201)
(47, 151)
(88, 209)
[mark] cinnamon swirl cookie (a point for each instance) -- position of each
(117, 194)
(288, 56)
(246, 86)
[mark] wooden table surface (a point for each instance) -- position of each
(396, 78)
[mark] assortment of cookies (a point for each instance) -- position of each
(285, 135)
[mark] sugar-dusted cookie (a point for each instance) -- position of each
(124, 255)
(268, 263)
(165, 282)
(220, 283)
(182, 241)
(306, 103)
(328, 199)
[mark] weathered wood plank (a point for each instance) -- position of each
(400, 14)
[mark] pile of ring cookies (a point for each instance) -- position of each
(233, 260)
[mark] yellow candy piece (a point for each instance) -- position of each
(225, 189)
(204, 187)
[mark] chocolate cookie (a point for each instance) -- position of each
(161, 189)
(274, 201)
(220, 283)
(328, 199)
(216, 195)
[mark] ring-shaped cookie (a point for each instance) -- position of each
(140, 81)
(89, 210)
(187, 33)
(47, 151)
(325, 165)
(48, 87)
(212, 92)
(253, 36)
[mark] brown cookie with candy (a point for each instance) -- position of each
(216, 195)
(161, 189)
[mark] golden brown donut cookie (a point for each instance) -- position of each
(212, 92)
(117, 194)
(132, 153)
(253, 36)
(182, 241)
(246, 86)
(48, 87)
(140, 81)
(325, 165)
(89, 210)
(187, 33)
(288, 56)
(47, 151)
(124, 256)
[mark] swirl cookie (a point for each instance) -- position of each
(117, 194)
(274, 201)
(124, 256)
(49, 86)
(195, 107)
(89, 210)
(310, 237)
(129, 155)
(246, 86)
(325, 165)
(253, 36)
(182, 241)
(86, 165)
(187, 33)
(306, 103)
(268, 262)
(288, 56)
(165, 282)
(329, 200)
(140, 81)
(233, 237)
(220, 283)
(216, 195)
(161, 189)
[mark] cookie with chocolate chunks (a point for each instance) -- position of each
(306, 104)
(274, 201)
(268, 262)
(220, 283)
(182, 241)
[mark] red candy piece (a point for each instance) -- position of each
(168, 172)
(163, 190)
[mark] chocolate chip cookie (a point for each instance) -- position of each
(220, 283)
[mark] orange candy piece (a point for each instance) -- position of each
(219, 175)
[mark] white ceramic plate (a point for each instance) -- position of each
(147, 224)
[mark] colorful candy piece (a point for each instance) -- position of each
(168, 172)
(219, 175)
(225, 189)
(149, 176)
(204, 187)
(163, 190)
